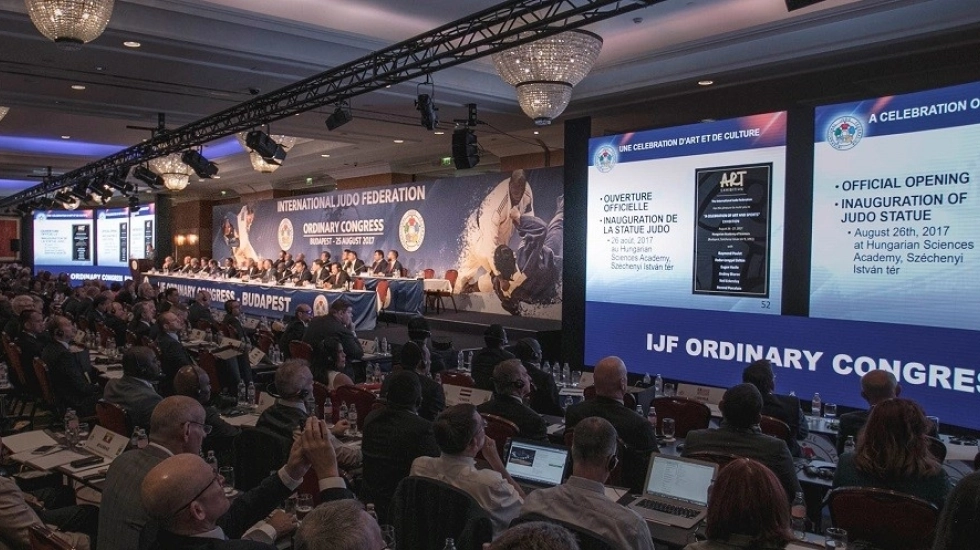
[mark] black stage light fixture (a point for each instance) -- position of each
(120, 184)
(101, 193)
(471, 119)
(46, 203)
(203, 167)
(80, 191)
(465, 151)
(66, 200)
(425, 104)
(148, 177)
(134, 202)
(265, 146)
(341, 115)
(24, 208)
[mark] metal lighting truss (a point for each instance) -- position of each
(492, 30)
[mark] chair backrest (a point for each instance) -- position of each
(404, 272)
(429, 273)
(41, 371)
(13, 357)
(718, 458)
(360, 399)
(43, 538)
(587, 540)
(382, 290)
(358, 284)
(320, 395)
(886, 519)
(207, 362)
(265, 341)
(775, 427)
(426, 512)
(203, 324)
(499, 429)
(258, 452)
(688, 414)
(112, 417)
(937, 448)
(300, 350)
(227, 331)
(451, 276)
(457, 378)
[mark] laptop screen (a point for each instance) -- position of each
(680, 478)
(537, 463)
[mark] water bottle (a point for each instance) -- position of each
(639, 409)
(384, 346)
(327, 410)
(566, 374)
(568, 402)
(646, 380)
(343, 410)
(460, 361)
(142, 440)
(815, 405)
(652, 417)
(371, 512)
(658, 385)
(438, 378)
(4, 377)
(71, 428)
(469, 361)
(450, 545)
(377, 373)
(798, 513)
(849, 444)
(250, 395)
(352, 418)
(242, 393)
(134, 439)
(310, 403)
(377, 345)
(212, 461)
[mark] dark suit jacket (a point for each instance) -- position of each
(750, 443)
(327, 326)
(530, 424)
(122, 517)
(304, 276)
(338, 281)
(222, 434)
(133, 395)
(118, 328)
(67, 373)
(237, 329)
(282, 420)
(198, 312)
(141, 329)
(394, 269)
(787, 408)
(294, 331)
(483, 363)
(544, 396)
(31, 346)
(379, 267)
(433, 398)
(393, 438)
(173, 356)
(635, 431)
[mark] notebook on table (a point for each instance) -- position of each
(675, 491)
(535, 464)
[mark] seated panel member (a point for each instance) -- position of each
(511, 388)
(379, 266)
(394, 266)
(338, 279)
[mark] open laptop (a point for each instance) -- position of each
(536, 465)
(675, 491)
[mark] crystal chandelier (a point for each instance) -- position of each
(544, 71)
(259, 163)
(70, 23)
(175, 174)
(3, 111)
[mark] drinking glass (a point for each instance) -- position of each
(290, 506)
(670, 389)
(836, 539)
(388, 535)
(83, 429)
(304, 505)
(669, 427)
(830, 410)
(228, 472)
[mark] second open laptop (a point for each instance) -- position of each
(535, 464)
(676, 490)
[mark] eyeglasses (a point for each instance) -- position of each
(205, 427)
(199, 494)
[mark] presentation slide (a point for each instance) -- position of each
(142, 228)
(112, 227)
(896, 218)
(63, 237)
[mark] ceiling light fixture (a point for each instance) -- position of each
(545, 71)
(341, 115)
(203, 167)
(175, 174)
(77, 87)
(705, 82)
(266, 152)
(70, 23)
(132, 44)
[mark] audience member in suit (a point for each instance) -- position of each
(173, 356)
(185, 495)
(876, 386)
(301, 274)
(296, 328)
(228, 268)
(318, 273)
(419, 332)
(144, 320)
(171, 299)
(489, 356)
(320, 529)
(544, 390)
(394, 266)
(338, 278)
(200, 310)
(177, 426)
(70, 370)
(338, 324)
(415, 358)
(75, 524)
(582, 501)
(20, 304)
(116, 322)
(192, 381)
(31, 342)
(379, 266)
(394, 436)
(781, 407)
(635, 431)
(237, 368)
(355, 265)
(294, 386)
(511, 386)
(100, 311)
(134, 391)
(739, 434)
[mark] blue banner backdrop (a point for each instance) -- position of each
(503, 233)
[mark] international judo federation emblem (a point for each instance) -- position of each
(605, 158)
(844, 133)
(285, 234)
(411, 230)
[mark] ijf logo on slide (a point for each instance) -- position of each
(844, 133)
(605, 158)
(411, 230)
(285, 234)
(320, 305)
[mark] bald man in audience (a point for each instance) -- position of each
(134, 390)
(184, 494)
(321, 529)
(176, 426)
(173, 356)
(195, 383)
(876, 386)
(635, 431)
(512, 386)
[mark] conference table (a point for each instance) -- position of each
(271, 300)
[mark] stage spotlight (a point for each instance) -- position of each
(101, 193)
(46, 203)
(427, 108)
(203, 167)
(134, 202)
(67, 200)
(341, 115)
(120, 184)
(265, 146)
(148, 177)
(24, 208)
(79, 191)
